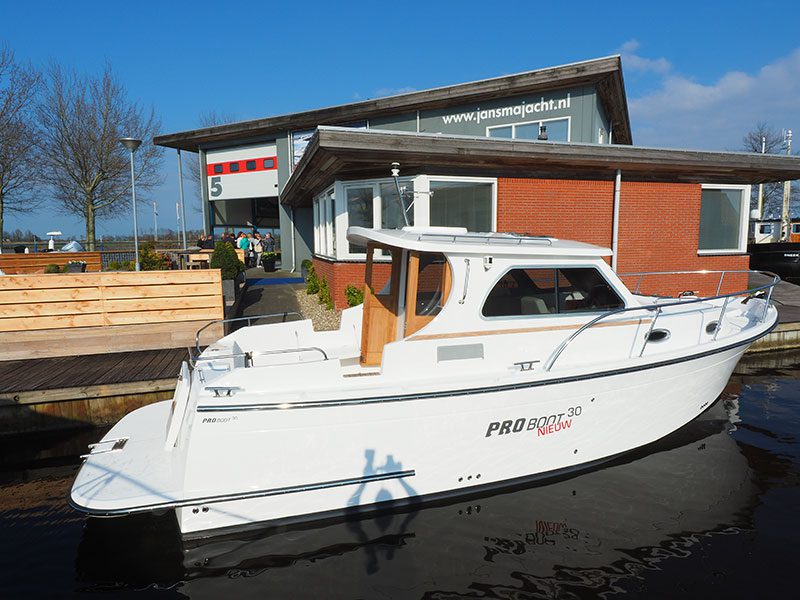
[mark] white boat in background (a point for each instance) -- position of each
(485, 360)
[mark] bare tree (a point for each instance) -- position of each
(206, 119)
(773, 144)
(81, 119)
(18, 87)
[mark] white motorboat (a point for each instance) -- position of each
(484, 360)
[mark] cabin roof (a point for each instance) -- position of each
(457, 240)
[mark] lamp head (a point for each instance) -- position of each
(132, 144)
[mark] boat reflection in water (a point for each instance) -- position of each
(584, 534)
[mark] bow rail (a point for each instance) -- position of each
(657, 307)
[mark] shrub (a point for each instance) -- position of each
(307, 265)
(224, 258)
(354, 295)
(128, 265)
(312, 283)
(113, 266)
(325, 295)
(52, 268)
(149, 259)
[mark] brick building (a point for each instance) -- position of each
(547, 152)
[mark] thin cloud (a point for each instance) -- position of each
(379, 93)
(632, 61)
(684, 113)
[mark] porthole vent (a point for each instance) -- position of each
(711, 327)
(658, 335)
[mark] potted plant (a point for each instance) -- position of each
(268, 261)
(76, 266)
(224, 258)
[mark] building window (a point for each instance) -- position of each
(359, 211)
(527, 292)
(426, 201)
(765, 228)
(795, 227)
(217, 168)
(250, 165)
(558, 130)
(462, 204)
(234, 167)
(269, 163)
(723, 219)
(324, 231)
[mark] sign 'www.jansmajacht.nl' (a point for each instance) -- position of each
(521, 109)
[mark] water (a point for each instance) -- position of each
(710, 511)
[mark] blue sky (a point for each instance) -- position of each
(697, 75)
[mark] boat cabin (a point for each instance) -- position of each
(498, 278)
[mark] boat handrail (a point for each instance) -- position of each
(658, 307)
(511, 239)
(248, 355)
(249, 319)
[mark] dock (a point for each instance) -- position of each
(786, 336)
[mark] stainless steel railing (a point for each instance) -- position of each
(249, 320)
(658, 307)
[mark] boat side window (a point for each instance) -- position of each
(585, 289)
(524, 292)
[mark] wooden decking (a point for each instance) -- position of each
(90, 370)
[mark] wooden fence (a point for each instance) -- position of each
(91, 313)
(13, 264)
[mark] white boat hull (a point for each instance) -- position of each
(318, 461)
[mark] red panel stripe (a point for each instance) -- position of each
(265, 163)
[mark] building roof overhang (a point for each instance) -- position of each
(340, 153)
(604, 73)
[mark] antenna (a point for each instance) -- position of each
(396, 176)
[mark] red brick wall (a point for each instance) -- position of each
(341, 274)
(658, 226)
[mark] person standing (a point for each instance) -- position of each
(244, 245)
(268, 243)
(258, 248)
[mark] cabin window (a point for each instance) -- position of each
(723, 219)
(526, 292)
(558, 130)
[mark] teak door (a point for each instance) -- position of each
(379, 326)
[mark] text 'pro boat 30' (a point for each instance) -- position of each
(476, 360)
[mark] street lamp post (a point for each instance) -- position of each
(132, 144)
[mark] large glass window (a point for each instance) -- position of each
(359, 211)
(462, 204)
(723, 219)
(557, 130)
(525, 292)
(391, 211)
(426, 200)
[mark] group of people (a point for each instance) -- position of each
(253, 244)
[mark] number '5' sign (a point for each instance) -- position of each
(216, 186)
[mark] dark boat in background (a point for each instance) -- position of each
(781, 258)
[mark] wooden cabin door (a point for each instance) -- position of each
(381, 305)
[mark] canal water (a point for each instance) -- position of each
(713, 510)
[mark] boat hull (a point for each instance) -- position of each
(264, 463)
